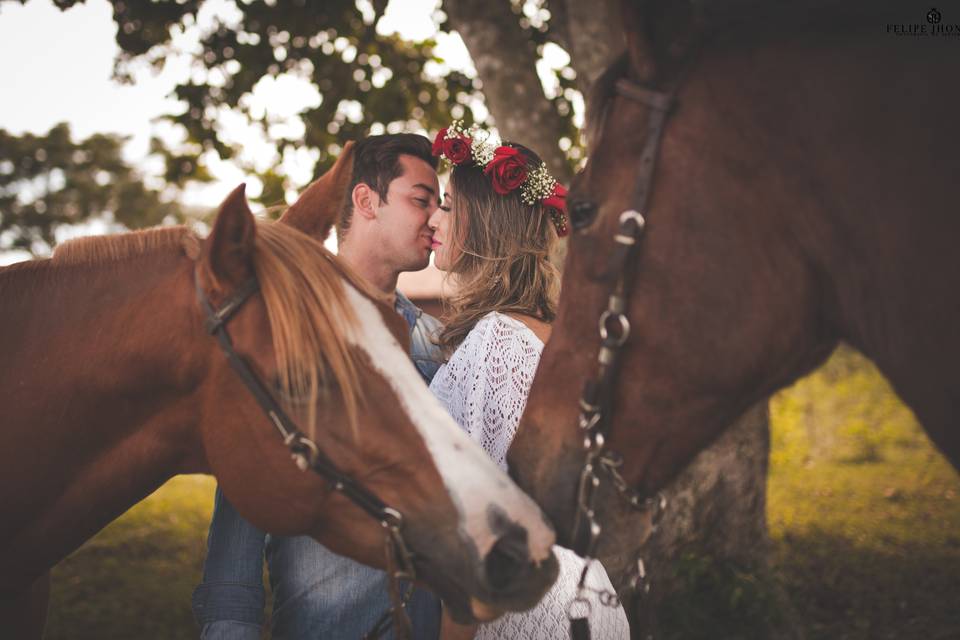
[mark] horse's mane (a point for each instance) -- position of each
(91, 250)
(302, 285)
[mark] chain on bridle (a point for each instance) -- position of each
(307, 456)
(596, 401)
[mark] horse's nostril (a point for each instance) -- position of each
(508, 560)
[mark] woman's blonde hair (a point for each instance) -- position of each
(504, 248)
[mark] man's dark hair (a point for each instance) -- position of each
(376, 162)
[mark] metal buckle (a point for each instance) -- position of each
(303, 450)
(392, 522)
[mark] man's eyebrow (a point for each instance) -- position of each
(428, 189)
(425, 187)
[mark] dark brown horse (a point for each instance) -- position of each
(111, 384)
(805, 193)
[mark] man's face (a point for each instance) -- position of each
(405, 238)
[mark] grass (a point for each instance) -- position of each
(134, 579)
(864, 519)
(864, 514)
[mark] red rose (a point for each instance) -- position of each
(438, 142)
(558, 199)
(457, 149)
(556, 204)
(507, 170)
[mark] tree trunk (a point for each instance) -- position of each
(591, 34)
(505, 59)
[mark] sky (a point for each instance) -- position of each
(68, 79)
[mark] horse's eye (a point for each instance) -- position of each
(582, 213)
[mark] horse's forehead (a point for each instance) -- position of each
(473, 482)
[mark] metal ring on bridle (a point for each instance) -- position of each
(588, 422)
(636, 216)
(307, 452)
(392, 518)
(624, 332)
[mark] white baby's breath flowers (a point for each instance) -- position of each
(482, 143)
(538, 185)
(482, 152)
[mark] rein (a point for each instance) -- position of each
(307, 456)
(596, 401)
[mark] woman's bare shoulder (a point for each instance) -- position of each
(540, 328)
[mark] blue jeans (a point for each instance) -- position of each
(316, 593)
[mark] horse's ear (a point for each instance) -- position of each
(660, 35)
(636, 26)
(318, 206)
(228, 251)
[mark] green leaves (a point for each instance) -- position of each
(48, 181)
(328, 44)
(367, 82)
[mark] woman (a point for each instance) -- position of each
(501, 214)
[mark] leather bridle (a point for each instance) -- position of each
(596, 401)
(307, 456)
(614, 328)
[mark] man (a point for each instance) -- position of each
(382, 232)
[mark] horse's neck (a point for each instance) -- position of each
(895, 296)
(872, 202)
(94, 390)
(93, 348)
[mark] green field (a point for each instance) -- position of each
(863, 512)
(864, 517)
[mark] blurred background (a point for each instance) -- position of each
(119, 115)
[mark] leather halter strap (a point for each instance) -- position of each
(661, 106)
(307, 455)
(596, 401)
(614, 327)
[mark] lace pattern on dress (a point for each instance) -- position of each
(484, 386)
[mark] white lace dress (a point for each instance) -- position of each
(484, 386)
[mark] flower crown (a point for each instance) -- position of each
(507, 167)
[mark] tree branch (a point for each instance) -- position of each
(505, 59)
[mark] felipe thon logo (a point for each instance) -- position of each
(931, 28)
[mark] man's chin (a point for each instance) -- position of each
(419, 264)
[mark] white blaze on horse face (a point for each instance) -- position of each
(476, 485)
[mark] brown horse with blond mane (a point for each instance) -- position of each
(112, 384)
(804, 193)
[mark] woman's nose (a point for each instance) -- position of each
(434, 220)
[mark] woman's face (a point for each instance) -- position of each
(445, 252)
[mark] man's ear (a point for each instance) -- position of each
(228, 250)
(317, 208)
(365, 201)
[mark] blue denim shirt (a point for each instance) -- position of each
(316, 593)
(423, 329)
